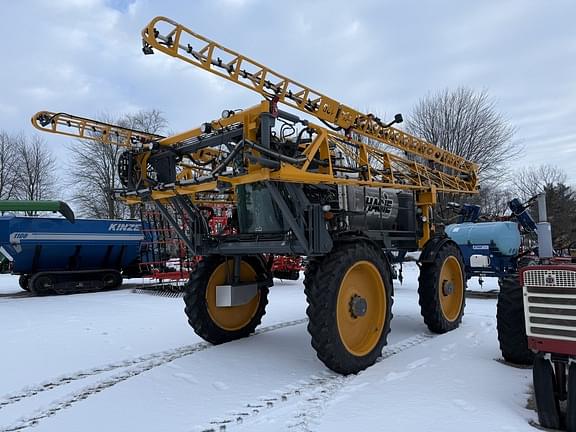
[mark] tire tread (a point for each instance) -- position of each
(322, 280)
(428, 295)
(510, 322)
(197, 311)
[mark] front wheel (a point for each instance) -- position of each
(441, 288)
(223, 324)
(23, 281)
(349, 294)
(545, 393)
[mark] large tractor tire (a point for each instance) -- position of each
(223, 324)
(349, 293)
(547, 404)
(571, 403)
(510, 322)
(441, 289)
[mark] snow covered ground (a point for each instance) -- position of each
(123, 361)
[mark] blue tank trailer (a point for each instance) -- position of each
(57, 255)
(499, 249)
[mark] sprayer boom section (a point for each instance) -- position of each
(264, 154)
(180, 42)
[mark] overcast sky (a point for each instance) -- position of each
(84, 57)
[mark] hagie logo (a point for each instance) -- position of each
(130, 227)
(380, 206)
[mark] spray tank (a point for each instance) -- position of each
(493, 248)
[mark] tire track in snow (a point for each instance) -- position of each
(134, 367)
(33, 390)
(308, 397)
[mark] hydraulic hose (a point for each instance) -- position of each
(283, 158)
(228, 158)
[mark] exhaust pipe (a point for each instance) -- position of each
(544, 230)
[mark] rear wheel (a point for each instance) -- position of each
(545, 393)
(441, 288)
(571, 404)
(223, 324)
(510, 322)
(349, 293)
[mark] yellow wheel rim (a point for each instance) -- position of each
(361, 308)
(451, 288)
(233, 317)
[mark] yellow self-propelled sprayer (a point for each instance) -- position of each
(354, 195)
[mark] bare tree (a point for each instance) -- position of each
(530, 181)
(152, 121)
(494, 200)
(8, 165)
(94, 172)
(467, 123)
(35, 177)
(93, 175)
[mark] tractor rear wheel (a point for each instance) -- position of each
(510, 322)
(349, 294)
(441, 288)
(571, 404)
(545, 393)
(223, 324)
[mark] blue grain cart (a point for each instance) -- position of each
(55, 255)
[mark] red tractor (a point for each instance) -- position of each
(550, 313)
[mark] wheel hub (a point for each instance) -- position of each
(358, 306)
(447, 288)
